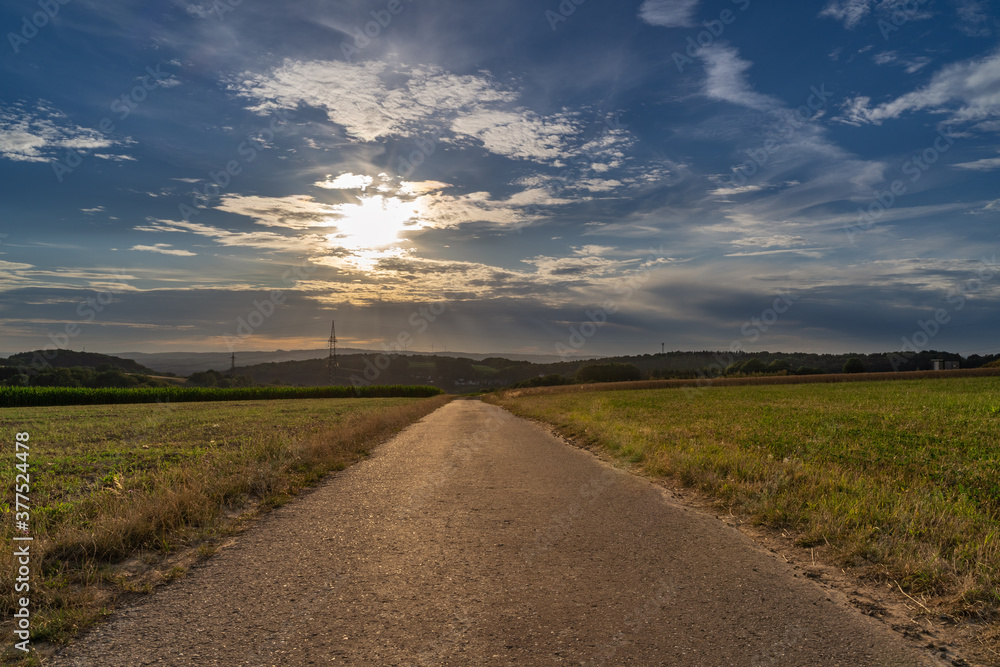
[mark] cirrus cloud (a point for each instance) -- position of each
(669, 13)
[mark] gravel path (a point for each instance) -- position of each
(477, 538)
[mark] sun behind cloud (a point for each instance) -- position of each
(372, 228)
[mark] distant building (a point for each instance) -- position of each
(942, 365)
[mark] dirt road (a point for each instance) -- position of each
(477, 538)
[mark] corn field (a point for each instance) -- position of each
(20, 397)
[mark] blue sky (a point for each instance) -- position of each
(588, 177)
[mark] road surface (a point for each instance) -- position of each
(477, 538)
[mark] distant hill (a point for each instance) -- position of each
(185, 363)
(73, 359)
(458, 374)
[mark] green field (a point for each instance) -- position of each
(116, 491)
(899, 480)
(16, 397)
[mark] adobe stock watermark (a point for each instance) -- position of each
(88, 310)
(652, 606)
(246, 152)
(625, 289)
(122, 106)
(446, 645)
(260, 313)
(713, 31)
(247, 326)
(419, 320)
(30, 26)
(561, 524)
(926, 330)
(900, 16)
(751, 331)
(915, 167)
(462, 451)
(775, 653)
(363, 35)
(155, 418)
(759, 157)
(753, 328)
(565, 9)
(416, 158)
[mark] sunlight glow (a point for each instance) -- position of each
(372, 227)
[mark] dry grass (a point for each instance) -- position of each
(124, 499)
(704, 383)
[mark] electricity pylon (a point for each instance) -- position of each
(331, 360)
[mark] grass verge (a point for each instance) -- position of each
(898, 480)
(124, 498)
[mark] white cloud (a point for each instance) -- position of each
(912, 64)
(440, 211)
(594, 250)
(353, 95)
(966, 91)
(41, 134)
(434, 88)
(346, 181)
(533, 181)
(598, 184)
(292, 212)
(735, 190)
(986, 164)
(115, 156)
(773, 241)
(811, 253)
(373, 102)
(421, 187)
(164, 249)
(850, 12)
(13, 266)
(669, 13)
(726, 80)
(168, 82)
(974, 18)
(589, 265)
(536, 197)
(608, 150)
(521, 134)
(225, 237)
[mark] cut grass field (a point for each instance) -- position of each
(898, 480)
(118, 493)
